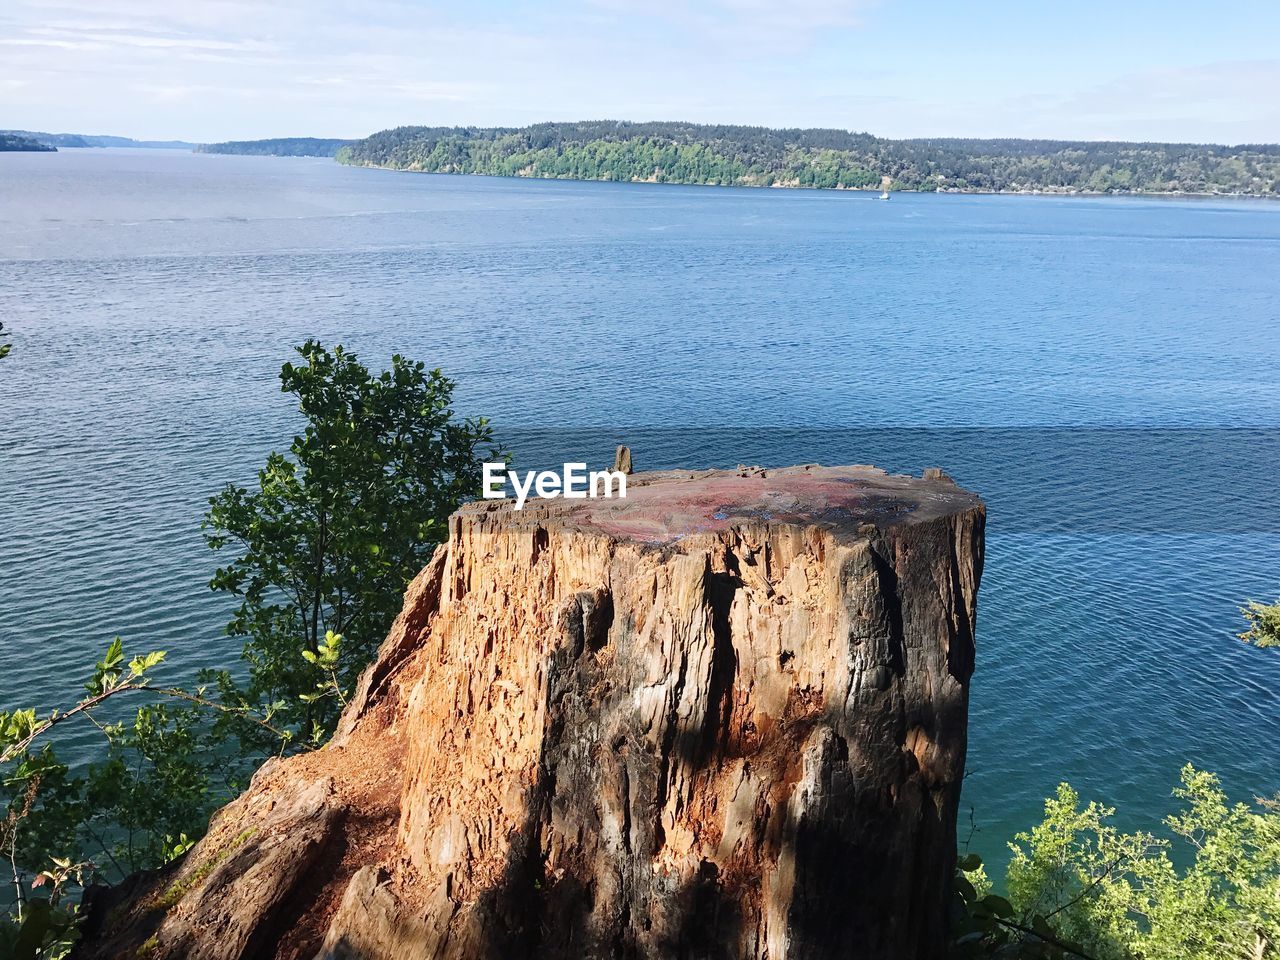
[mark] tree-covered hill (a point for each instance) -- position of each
(97, 140)
(279, 147)
(15, 143)
(759, 156)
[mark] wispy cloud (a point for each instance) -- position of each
(798, 15)
(105, 39)
(1224, 101)
(1230, 89)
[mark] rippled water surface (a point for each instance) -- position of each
(1103, 371)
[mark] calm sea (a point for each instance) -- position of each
(1104, 371)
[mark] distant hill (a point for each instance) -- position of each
(13, 143)
(98, 140)
(279, 147)
(759, 156)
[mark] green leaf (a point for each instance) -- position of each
(140, 665)
(114, 655)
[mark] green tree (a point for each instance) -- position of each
(332, 533)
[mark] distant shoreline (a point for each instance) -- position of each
(950, 191)
(728, 155)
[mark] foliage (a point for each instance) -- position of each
(327, 659)
(160, 776)
(1264, 624)
(984, 924)
(117, 814)
(154, 782)
(1208, 889)
(332, 534)
(757, 156)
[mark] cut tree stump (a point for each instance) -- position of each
(724, 717)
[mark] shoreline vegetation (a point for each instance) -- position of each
(969, 192)
(699, 154)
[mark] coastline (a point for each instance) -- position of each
(977, 192)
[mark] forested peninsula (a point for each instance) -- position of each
(277, 147)
(16, 143)
(762, 157)
(82, 140)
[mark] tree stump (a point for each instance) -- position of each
(724, 717)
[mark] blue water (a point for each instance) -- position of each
(1103, 371)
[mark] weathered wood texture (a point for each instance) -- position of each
(724, 717)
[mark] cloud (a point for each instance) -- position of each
(1234, 88)
(37, 42)
(802, 14)
(102, 39)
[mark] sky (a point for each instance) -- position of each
(207, 70)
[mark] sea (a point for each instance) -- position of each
(1104, 371)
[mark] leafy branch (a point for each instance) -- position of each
(85, 706)
(19, 729)
(327, 657)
